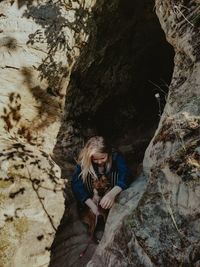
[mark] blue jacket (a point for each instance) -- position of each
(118, 164)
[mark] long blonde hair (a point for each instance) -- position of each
(96, 144)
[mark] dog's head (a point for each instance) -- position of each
(101, 185)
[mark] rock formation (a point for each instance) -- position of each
(66, 65)
(39, 43)
(160, 226)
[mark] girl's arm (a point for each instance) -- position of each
(90, 203)
(108, 200)
(80, 192)
(78, 186)
(123, 171)
(122, 183)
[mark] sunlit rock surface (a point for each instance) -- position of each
(156, 221)
(39, 43)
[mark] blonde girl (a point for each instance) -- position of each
(97, 159)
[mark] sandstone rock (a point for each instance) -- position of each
(39, 43)
(162, 228)
(156, 221)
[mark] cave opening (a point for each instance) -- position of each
(118, 88)
(125, 65)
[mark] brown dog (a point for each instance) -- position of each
(101, 187)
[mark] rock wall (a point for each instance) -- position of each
(156, 221)
(162, 227)
(39, 44)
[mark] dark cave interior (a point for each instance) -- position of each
(126, 62)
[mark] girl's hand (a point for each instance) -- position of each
(95, 210)
(90, 203)
(107, 201)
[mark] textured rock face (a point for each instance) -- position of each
(39, 43)
(162, 227)
(156, 222)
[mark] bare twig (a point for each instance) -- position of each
(177, 11)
